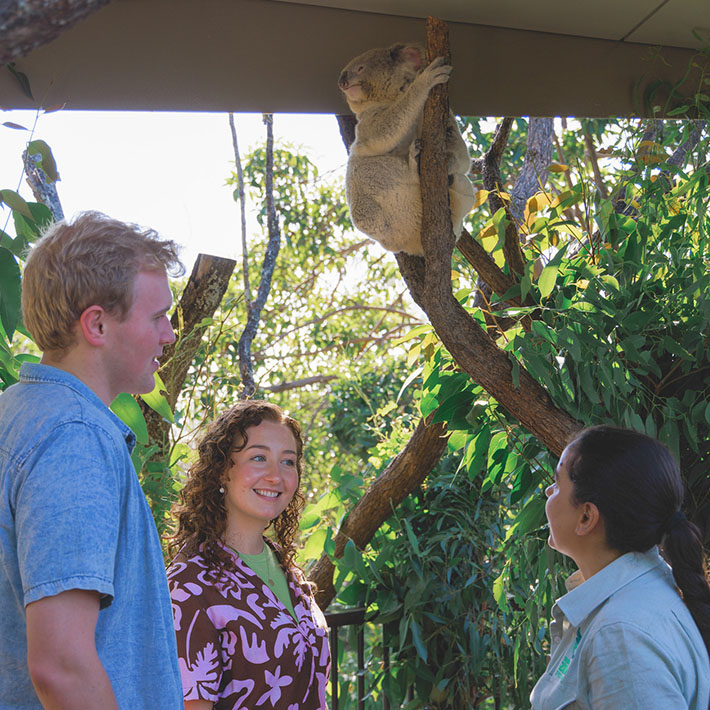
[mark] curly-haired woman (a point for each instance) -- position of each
(248, 628)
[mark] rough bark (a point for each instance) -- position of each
(28, 24)
(199, 300)
(346, 124)
(491, 182)
(43, 189)
(484, 265)
(267, 269)
(489, 168)
(405, 474)
(429, 282)
(533, 174)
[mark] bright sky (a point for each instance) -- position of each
(160, 170)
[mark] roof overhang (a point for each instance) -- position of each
(555, 57)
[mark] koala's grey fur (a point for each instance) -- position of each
(387, 89)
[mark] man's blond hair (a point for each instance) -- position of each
(91, 261)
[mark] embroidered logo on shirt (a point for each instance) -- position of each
(562, 669)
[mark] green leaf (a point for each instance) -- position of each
(156, 400)
(129, 412)
(419, 641)
(10, 290)
(499, 591)
(22, 80)
(529, 518)
(547, 279)
(47, 162)
(15, 202)
(412, 537)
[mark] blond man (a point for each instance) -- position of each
(86, 617)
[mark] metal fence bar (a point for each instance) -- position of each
(334, 668)
(385, 668)
(361, 667)
(336, 619)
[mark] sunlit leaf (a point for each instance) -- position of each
(156, 400)
(15, 202)
(547, 279)
(47, 162)
(9, 291)
(129, 412)
(480, 197)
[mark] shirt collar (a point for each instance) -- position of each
(579, 603)
(37, 372)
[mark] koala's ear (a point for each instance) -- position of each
(414, 55)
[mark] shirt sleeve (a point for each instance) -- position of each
(627, 668)
(198, 640)
(67, 514)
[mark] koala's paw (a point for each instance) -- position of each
(415, 152)
(436, 73)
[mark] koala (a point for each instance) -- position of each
(386, 89)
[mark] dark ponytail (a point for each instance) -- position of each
(683, 546)
(635, 483)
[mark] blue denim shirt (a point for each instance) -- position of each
(624, 640)
(73, 516)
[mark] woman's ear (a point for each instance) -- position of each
(589, 519)
(92, 325)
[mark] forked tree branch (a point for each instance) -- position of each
(470, 346)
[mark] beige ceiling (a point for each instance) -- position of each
(664, 22)
(511, 57)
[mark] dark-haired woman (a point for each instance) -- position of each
(249, 632)
(633, 633)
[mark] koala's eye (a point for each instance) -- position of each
(361, 67)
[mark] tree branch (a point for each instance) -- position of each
(591, 151)
(484, 265)
(246, 367)
(28, 24)
(44, 190)
(303, 382)
(491, 182)
(346, 124)
(199, 300)
(470, 346)
(533, 174)
(403, 475)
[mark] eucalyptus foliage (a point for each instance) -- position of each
(615, 327)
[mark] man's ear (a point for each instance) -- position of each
(92, 325)
(589, 519)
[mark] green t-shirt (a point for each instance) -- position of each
(267, 566)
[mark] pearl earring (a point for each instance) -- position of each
(221, 489)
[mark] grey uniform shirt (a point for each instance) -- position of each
(624, 640)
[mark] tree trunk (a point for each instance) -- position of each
(28, 24)
(199, 300)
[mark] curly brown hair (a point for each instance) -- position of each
(200, 513)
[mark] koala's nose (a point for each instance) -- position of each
(343, 80)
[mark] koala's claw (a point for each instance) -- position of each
(437, 72)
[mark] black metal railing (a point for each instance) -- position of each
(337, 620)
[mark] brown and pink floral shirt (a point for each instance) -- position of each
(239, 647)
